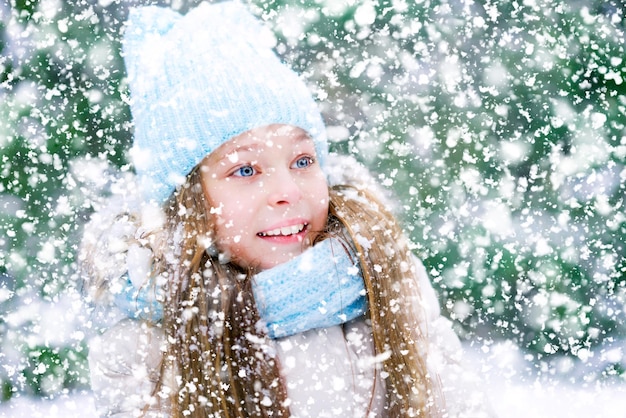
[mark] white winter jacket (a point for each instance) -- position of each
(328, 372)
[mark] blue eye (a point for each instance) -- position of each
(304, 162)
(245, 171)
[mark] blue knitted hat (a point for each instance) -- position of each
(200, 79)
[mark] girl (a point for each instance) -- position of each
(252, 287)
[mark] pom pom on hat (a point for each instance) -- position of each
(200, 79)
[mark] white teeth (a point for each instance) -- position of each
(284, 231)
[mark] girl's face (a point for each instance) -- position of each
(267, 194)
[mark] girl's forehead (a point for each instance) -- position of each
(262, 139)
(267, 133)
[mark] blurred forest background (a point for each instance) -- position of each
(499, 125)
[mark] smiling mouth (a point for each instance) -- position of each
(285, 231)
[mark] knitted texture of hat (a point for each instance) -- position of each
(199, 79)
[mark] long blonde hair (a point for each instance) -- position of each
(210, 318)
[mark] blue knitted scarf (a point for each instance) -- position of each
(320, 288)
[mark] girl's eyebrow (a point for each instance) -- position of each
(230, 150)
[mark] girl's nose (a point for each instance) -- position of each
(282, 189)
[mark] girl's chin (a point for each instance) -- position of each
(270, 252)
